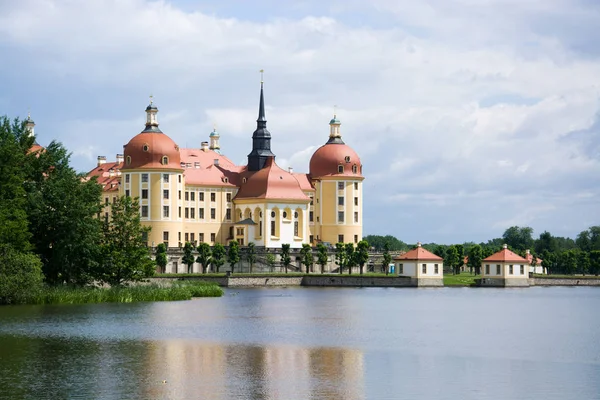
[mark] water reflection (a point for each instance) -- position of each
(50, 368)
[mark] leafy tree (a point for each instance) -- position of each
(204, 256)
(233, 254)
(124, 255)
(583, 262)
(534, 261)
(350, 257)
(251, 255)
(20, 274)
(452, 259)
(438, 250)
(62, 207)
(567, 261)
(549, 262)
(188, 257)
(378, 242)
(460, 250)
(286, 260)
(307, 256)
(589, 239)
(595, 262)
(546, 242)
(161, 257)
(362, 254)
(218, 256)
(322, 257)
(340, 255)
(387, 258)
(270, 259)
(475, 258)
(519, 238)
(14, 229)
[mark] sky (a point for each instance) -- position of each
(470, 116)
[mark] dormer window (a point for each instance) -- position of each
(354, 168)
(347, 159)
(165, 160)
(340, 169)
(225, 179)
(244, 180)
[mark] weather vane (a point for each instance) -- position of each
(151, 99)
(262, 71)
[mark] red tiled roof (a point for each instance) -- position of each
(271, 182)
(419, 254)
(103, 173)
(529, 259)
(327, 158)
(147, 149)
(505, 255)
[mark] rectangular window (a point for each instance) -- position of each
(187, 237)
(179, 178)
(165, 178)
(424, 268)
(114, 199)
(510, 269)
(144, 194)
(187, 196)
(144, 211)
(311, 239)
(213, 197)
(522, 270)
(340, 169)
(356, 201)
(400, 269)
(356, 216)
(340, 201)
(192, 213)
(106, 201)
(192, 196)
(229, 197)
(201, 213)
(340, 216)
(126, 178)
(165, 211)
(272, 228)
(201, 237)
(310, 216)
(166, 237)
(340, 185)
(487, 269)
(340, 238)
(311, 200)
(179, 213)
(498, 272)
(436, 269)
(179, 195)
(192, 237)
(187, 213)
(296, 228)
(228, 214)
(355, 238)
(144, 178)
(179, 236)
(212, 237)
(200, 196)
(166, 194)
(213, 213)
(355, 185)
(127, 193)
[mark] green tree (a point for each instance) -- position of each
(519, 238)
(378, 242)
(204, 256)
(251, 255)
(63, 207)
(14, 229)
(452, 259)
(589, 239)
(387, 258)
(350, 257)
(161, 257)
(218, 256)
(124, 255)
(188, 257)
(549, 262)
(583, 262)
(475, 258)
(595, 262)
(362, 254)
(270, 259)
(307, 256)
(546, 242)
(567, 262)
(233, 254)
(20, 275)
(322, 257)
(286, 260)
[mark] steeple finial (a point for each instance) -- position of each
(262, 120)
(262, 71)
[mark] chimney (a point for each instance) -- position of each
(505, 246)
(101, 160)
(527, 252)
(120, 158)
(204, 146)
(418, 244)
(290, 170)
(216, 161)
(111, 172)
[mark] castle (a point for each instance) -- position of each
(199, 195)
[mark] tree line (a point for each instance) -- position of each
(50, 227)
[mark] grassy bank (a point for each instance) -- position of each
(462, 279)
(71, 295)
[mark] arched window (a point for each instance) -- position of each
(165, 160)
(244, 180)
(340, 169)
(284, 214)
(295, 214)
(272, 214)
(354, 168)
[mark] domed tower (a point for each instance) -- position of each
(214, 141)
(336, 174)
(152, 171)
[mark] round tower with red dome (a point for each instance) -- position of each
(335, 171)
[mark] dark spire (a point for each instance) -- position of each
(261, 139)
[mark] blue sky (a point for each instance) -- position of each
(469, 116)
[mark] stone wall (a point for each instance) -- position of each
(500, 282)
(565, 282)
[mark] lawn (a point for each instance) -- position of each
(463, 279)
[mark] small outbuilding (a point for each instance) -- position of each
(505, 268)
(423, 266)
(534, 268)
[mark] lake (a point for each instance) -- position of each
(311, 343)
